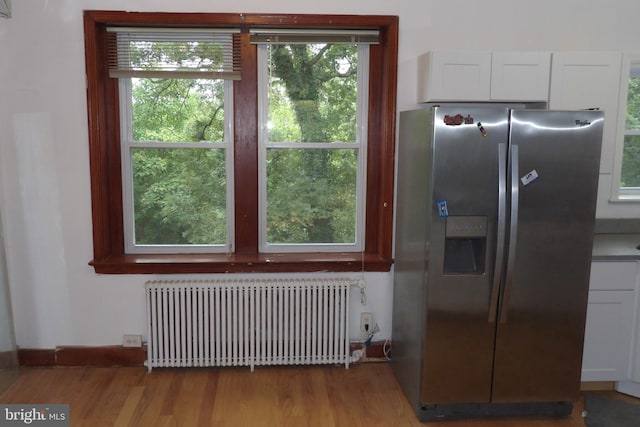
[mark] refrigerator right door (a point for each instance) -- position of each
(554, 159)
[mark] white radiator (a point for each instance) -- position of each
(247, 322)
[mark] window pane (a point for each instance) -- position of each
(178, 110)
(311, 196)
(631, 162)
(312, 93)
(179, 196)
(633, 102)
(630, 170)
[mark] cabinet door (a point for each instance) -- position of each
(520, 76)
(454, 76)
(610, 321)
(613, 276)
(581, 80)
(607, 341)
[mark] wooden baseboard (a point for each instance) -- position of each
(83, 356)
(117, 355)
(36, 357)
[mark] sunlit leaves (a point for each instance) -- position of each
(178, 110)
(630, 174)
(311, 192)
(180, 193)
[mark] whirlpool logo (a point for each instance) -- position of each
(583, 123)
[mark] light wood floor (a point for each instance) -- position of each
(364, 395)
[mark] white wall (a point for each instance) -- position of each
(57, 298)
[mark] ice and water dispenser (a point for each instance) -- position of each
(465, 244)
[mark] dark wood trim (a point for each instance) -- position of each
(116, 17)
(104, 150)
(388, 138)
(104, 143)
(83, 356)
(101, 356)
(245, 117)
(262, 263)
(97, 142)
(36, 357)
(288, 20)
(117, 355)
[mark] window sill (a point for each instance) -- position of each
(625, 199)
(262, 263)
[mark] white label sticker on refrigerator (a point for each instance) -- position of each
(529, 178)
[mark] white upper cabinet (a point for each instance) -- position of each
(483, 76)
(520, 76)
(454, 76)
(581, 80)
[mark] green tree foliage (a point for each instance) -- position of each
(178, 110)
(311, 192)
(179, 196)
(180, 193)
(630, 176)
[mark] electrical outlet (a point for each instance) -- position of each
(366, 323)
(132, 340)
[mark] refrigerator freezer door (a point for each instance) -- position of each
(459, 335)
(412, 227)
(542, 314)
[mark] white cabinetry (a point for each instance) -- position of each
(454, 76)
(520, 76)
(610, 321)
(581, 80)
(483, 76)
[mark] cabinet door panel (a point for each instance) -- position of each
(613, 276)
(608, 332)
(454, 76)
(520, 76)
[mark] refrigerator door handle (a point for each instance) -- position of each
(502, 221)
(513, 234)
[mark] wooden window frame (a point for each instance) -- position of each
(109, 256)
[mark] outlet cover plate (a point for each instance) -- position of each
(366, 319)
(132, 341)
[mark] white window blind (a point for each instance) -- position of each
(296, 36)
(174, 52)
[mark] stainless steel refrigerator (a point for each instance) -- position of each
(494, 229)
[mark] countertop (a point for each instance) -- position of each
(616, 246)
(616, 239)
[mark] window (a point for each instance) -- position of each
(237, 181)
(175, 92)
(312, 154)
(628, 162)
